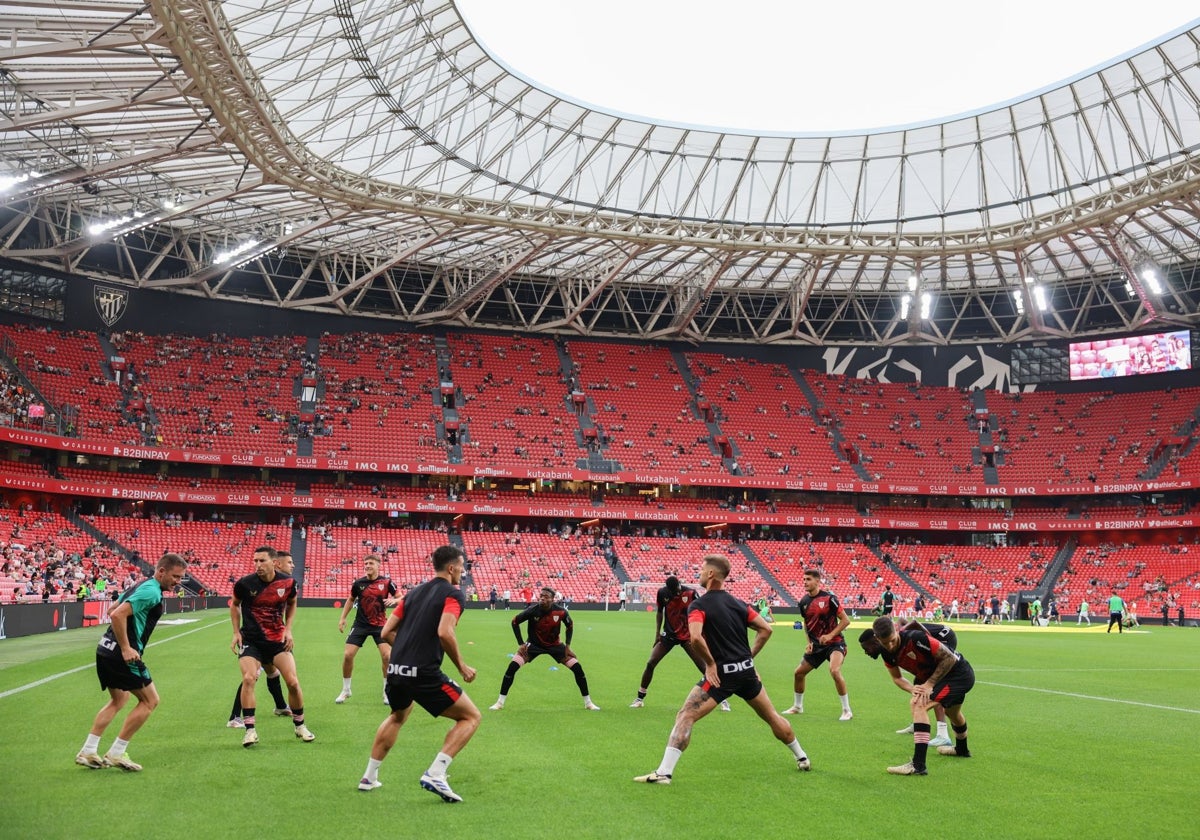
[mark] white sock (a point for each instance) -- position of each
(796, 749)
(587, 699)
(345, 683)
(942, 731)
(372, 774)
(799, 701)
(501, 699)
(91, 744)
(118, 748)
(845, 698)
(670, 758)
(440, 765)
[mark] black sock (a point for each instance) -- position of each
(506, 683)
(298, 716)
(248, 716)
(275, 686)
(237, 704)
(580, 679)
(960, 740)
(641, 694)
(920, 744)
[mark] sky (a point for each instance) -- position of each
(802, 67)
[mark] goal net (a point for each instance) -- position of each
(641, 595)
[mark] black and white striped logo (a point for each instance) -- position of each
(110, 303)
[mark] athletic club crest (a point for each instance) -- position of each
(110, 303)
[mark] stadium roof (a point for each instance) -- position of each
(372, 158)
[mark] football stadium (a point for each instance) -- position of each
(320, 321)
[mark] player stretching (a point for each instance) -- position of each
(824, 621)
(373, 594)
(943, 634)
(673, 602)
(546, 618)
(265, 604)
(943, 676)
(120, 668)
(421, 632)
(718, 623)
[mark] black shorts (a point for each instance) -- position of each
(744, 684)
(559, 653)
(821, 653)
(669, 641)
(264, 651)
(434, 693)
(359, 635)
(952, 691)
(119, 674)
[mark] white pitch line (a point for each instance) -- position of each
(61, 674)
(1093, 697)
(1076, 670)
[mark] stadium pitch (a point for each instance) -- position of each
(1070, 729)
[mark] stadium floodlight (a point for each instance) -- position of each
(102, 227)
(232, 254)
(10, 181)
(926, 305)
(1040, 299)
(1019, 301)
(905, 302)
(914, 280)
(1151, 277)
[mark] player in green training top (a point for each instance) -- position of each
(763, 605)
(120, 667)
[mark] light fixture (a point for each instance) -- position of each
(905, 301)
(222, 257)
(1039, 298)
(926, 305)
(98, 228)
(10, 181)
(1151, 278)
(1019, 301)
(1037, 292)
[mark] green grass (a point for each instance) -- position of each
(1061, 743)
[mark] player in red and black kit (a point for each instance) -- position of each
(944, 634)
(283, 564)
(421, 632)
(546, 619)
(824, 622)
(374, 594)
(670, 629)
(717, 623)
(941, 676)
(262, 610)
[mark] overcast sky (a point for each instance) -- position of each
(775, 65)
